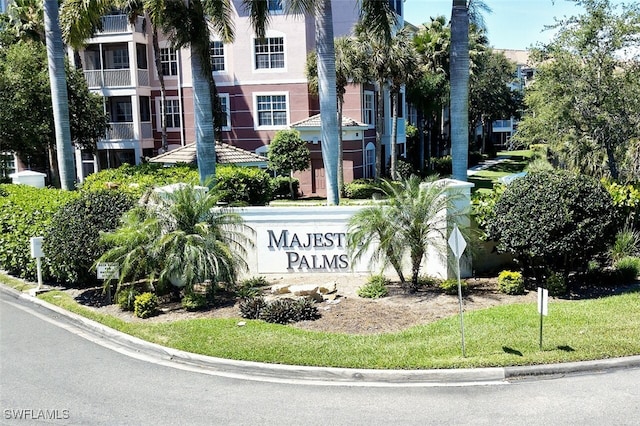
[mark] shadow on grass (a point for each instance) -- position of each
(566, 348)
(511, 351)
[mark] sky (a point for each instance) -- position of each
(513, 24)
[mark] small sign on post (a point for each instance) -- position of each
(458, 244)
(108, 271)
(543, 303)
(38, 254)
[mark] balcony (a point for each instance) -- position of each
(120, 24)
(120, 131)
(97, 79)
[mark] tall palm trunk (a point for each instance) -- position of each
(328, 96)
(394, 135)
(379, 115)
(459, 63)
(205, 135)
(163, 90)
(340, 146)
(59, 97)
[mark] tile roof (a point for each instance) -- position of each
(225, 154)
(315, 121)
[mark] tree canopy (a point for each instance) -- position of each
(585, 100)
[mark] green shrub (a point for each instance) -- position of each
(442, 165)
(251, 307)
(136, 180)
(554, 219)
(556, 284)
(243, 185)
(627, 243)
(26, 212)
(72, 240)
(194, 301)
(627, 268)
(510, 282)
(280, 186)
(404, 169)
(361, 189)
(126, 298)
(450, 286)
(539, 151)
(145, 305)
(375, 287)
(285, 311)
(428, 281)
(626, 199)
(251, 287)
(482, 205)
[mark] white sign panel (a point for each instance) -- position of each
(36, 247)
(543, 301)
(106, 271)
(457, 242)
(302, 249)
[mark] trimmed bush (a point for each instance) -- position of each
(279, 311)
(251, 307)
(280, 187)
(375, 287)
(442, 165)
(556, 284)
(136, 180)
(627, 268)
(243, 185)
(450, 286)
(26, 212)
(510, 282)
(361, 189)
(555, 220)
(126, 298)
(145, 305)
(194, 301)
(72, 241)
(251, 287)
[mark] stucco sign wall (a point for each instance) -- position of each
(300, 239)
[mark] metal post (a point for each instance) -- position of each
(461, 311)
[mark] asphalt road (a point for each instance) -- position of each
(53, 373)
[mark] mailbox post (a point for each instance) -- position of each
(38, 254)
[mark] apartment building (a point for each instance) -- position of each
(261, 85)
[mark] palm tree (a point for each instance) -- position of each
(179, 237)
(59, 97)
(459, 95)
(416, 215)
(378, 17)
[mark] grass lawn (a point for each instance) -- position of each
(500, 336)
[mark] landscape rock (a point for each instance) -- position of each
(330, 287)
(304, 289)
(280, 288)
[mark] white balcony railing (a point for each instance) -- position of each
(143, 77)
(120, 24)
(119, 131)
(117, 78)
(94, 78)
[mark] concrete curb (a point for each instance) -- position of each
(328, 376)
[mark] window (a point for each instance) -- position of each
(216, 52)
(272, 110)
(172, 110)
(145, 109)
(368, 109)
(370, 161)
(168, 61)
(120, 59)
(141, 56)
(269, 53)
(275, 6)
(7, 164)
(225, 118)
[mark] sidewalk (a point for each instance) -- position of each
(325, 376)
(485, 165)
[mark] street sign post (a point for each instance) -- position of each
(458, 244)
(108, 271)
(543, 302)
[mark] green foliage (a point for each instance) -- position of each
(243, 185)
(510, 282)
(539, 151)
(626, 198)
(72, 240)
(288, 153)
(145, 305)
(362, 189)
(556, 284)
(553, 219)
(442, 165)
(405, 223)
(450, 286)
(251, 307)
(627, 268)
(281, 186)
(539, 165)
(26, 212)
(137, 180)
(126, 298)
(285, 311)
(404, 169)
(251, 287)
(428, 281)
(179, 237)
(482, 205)
(194, 301)
(375, 287)
(627, 243)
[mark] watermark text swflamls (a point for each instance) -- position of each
(35, 414)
